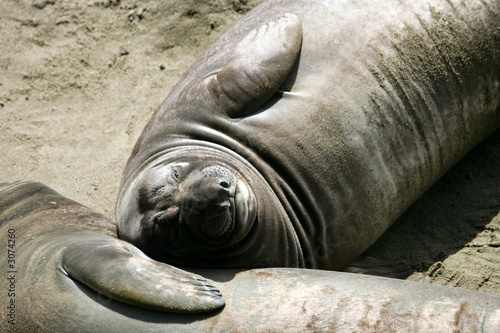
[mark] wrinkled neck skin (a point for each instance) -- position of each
(270, 240)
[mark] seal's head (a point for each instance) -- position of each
(206, 201)
(202, 201)
(187, 207)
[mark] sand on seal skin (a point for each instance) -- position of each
(80, 79)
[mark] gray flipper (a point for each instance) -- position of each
(120, 271)
(258, 66)
(75, 243)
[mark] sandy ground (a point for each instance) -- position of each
(80, 79)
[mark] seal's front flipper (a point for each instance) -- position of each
(122, 272)
(258, 66)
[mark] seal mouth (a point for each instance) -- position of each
(191, 209)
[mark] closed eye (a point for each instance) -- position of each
(170, 215)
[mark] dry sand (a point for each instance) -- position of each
(80, 79)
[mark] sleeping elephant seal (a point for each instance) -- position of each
(297, 139)
(54, 238)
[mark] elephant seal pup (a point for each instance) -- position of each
(297, 140)
(54, 237)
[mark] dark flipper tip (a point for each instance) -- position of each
(260, 63)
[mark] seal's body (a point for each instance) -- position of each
(297, 140)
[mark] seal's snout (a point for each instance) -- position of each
(207, 199)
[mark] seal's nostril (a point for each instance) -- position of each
(224, 184)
